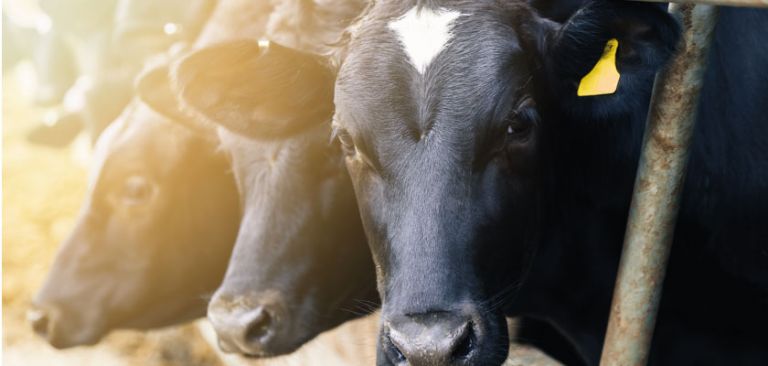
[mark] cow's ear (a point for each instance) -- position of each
(258, 89)
(601, 62)
(153, 87)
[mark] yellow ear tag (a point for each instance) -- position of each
(604, 78)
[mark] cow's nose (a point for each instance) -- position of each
(249, 331)
(436, 338)
(40, 321)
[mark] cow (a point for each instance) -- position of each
(300, 264)
(488, 187)
(152, 240)
(164, 289)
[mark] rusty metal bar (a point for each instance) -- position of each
(659, 181)
(744, 3)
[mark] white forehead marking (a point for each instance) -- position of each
(424, 33)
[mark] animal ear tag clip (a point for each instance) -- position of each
(604, 77)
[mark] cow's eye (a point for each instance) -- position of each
(346, 140)
(517, 129)
(522, 121)
(137, 190)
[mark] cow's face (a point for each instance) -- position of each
(300, 264)
(153, 238)
(441, 141)
(440, 111)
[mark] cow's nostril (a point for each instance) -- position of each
(260, 327)
(464, 345)
(39, 321)
(431, 338)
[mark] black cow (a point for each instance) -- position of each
(300, 264)
(153, 238)
(181, 245)
(488, 187)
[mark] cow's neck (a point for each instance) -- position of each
(587, 191)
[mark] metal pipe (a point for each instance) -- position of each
(743, 3)
(658, 185)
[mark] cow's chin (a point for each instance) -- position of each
(62, 335)
(77, 341)
(87, 328)
(282, 349)
(302, 329)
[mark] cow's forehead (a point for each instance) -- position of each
(421, 32)
(139, 141)
(404, 61)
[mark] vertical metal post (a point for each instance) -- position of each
(657, 192)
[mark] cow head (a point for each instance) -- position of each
(300, 264)
(153, 238)
(449, 116)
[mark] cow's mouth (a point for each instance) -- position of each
(63, 329)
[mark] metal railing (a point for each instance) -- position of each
(658, 186)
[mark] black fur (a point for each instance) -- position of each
(284, 91)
